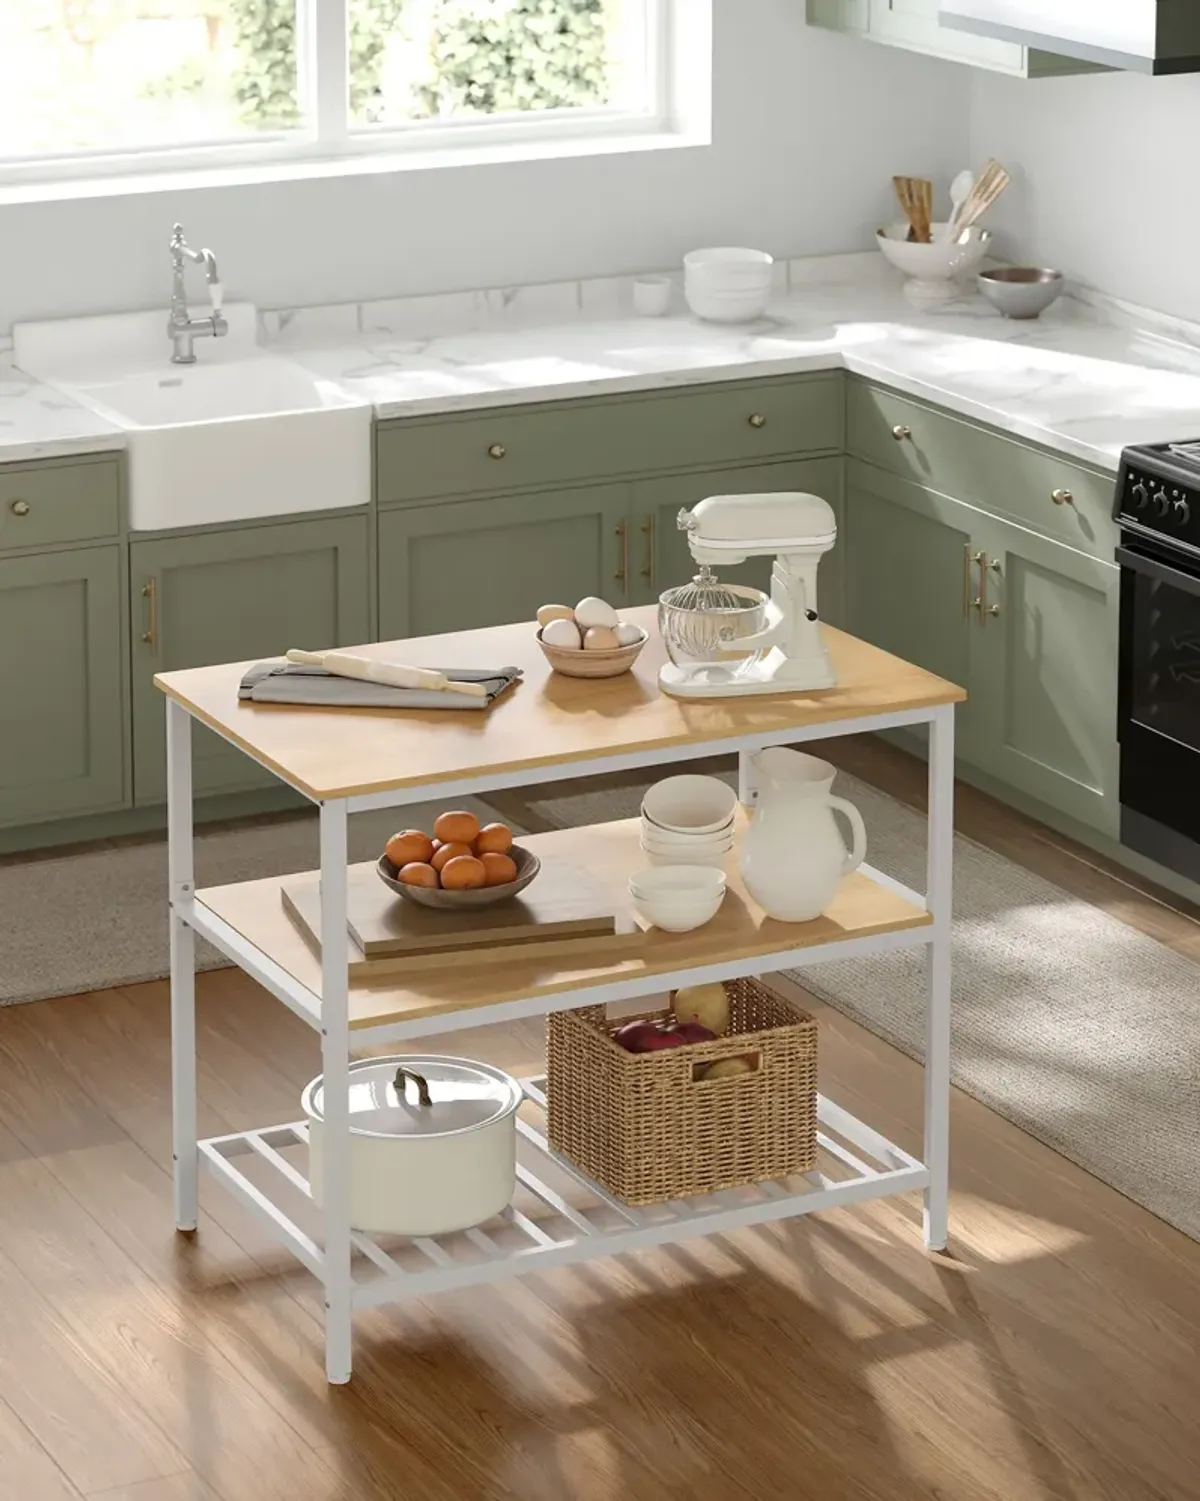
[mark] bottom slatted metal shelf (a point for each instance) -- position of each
(558, 1215)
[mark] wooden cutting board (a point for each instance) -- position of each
(565, 910)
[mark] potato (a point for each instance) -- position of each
(706, 1004)
(728, 1068)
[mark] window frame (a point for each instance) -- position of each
(328, 136)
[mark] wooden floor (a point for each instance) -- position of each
(1053, 1353)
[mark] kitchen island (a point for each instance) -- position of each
(548, 729)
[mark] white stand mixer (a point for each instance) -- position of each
(785, 655)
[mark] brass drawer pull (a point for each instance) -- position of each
(19, 508)
(649, 568)
(900, 432)
(622, 574)
(969, 558)
(497, 451)
(150, 594)
(757, 420)
(986, 566)
(1062, 497)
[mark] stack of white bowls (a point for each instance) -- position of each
(727, 284)
(688, 820)
(678, 898)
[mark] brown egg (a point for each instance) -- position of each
(456, 828)
(463, 873)
(417, 873)
(493, 839)
(408, 847)
(600, 638)
(446, 852)
(500, 869)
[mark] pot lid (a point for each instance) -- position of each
(420, 1096)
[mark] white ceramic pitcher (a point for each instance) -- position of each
(793, 855)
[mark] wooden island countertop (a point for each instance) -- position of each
(545, 720)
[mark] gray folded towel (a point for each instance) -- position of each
(287, 683)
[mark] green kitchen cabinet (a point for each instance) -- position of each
(914, 26)
(1044, 672)
(459, 565)
(62, 685)
(661, 558)
(908, 576)
(229, 596)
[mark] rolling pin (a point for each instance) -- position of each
(344, 664)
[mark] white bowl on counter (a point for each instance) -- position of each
(432, 1148)
(728, 284)
(677, 898)
(935, 271)
(690, 805)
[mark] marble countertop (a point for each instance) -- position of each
(1087, 379)
(37, 422)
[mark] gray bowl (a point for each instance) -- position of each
(1021, 291)
(527, 865)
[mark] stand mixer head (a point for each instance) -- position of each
(726, 640)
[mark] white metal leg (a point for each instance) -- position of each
(937, 1017)
(181, 888)
(747, 785)
(335, 1063)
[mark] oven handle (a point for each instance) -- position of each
(1163, 572)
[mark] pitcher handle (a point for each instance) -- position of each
(857, 828)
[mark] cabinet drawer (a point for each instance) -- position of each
(46, 503)
(985, 469)
(514, 448)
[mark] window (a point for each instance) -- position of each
(118, 85)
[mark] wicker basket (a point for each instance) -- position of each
(646, 1127)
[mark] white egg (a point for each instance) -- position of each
(628, 635)
(592, 611)
(554, 612)
(563, 633)
(600, 638)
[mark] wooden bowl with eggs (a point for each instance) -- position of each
(589, 641)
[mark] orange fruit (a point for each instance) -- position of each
(446, 852)
(493, 839)
(456, 828)
(408, 847)
(463, 873)
(500, 869)
(417, 873)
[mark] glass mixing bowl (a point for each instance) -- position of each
(703, 621)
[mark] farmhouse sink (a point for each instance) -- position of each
(239, 434)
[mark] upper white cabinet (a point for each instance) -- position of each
(913, 25)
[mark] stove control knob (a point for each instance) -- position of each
(1161, 504)
(1141, 495)
(1181, 511)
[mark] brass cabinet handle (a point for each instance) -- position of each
(969, 558)
(19, 508)
(986, 566)
(1062, 497)
(900, 432)
(757, 420)
(650, 566)
(150, 594)
(622, 573)
(497, 451)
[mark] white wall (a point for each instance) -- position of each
(808, 128)
(1105, 168)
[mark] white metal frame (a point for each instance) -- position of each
(868, 1165)
(328, 134)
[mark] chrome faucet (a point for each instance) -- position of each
(181, 326)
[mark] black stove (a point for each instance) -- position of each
(1158, 510)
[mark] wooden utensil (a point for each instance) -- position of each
(915, 195)
(345, 664)
(991, 183)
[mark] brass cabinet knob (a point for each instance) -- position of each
(900, 432)
(497, 451)
(19, 508)
(1062, 497)
(758, 420)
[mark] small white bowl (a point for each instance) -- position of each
(709, 858)
(744, 308)
(690, 804)
(677, 898)
(661, 839)
(729, 265)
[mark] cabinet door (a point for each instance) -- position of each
(1045, 673)
(908, 575)
(229, 597)
(459, 565)
(61, 685)
(661, 556)
(914, 24)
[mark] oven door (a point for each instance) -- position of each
(1159, 705)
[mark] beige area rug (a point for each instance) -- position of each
(1075, 1027)
(96, 919)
